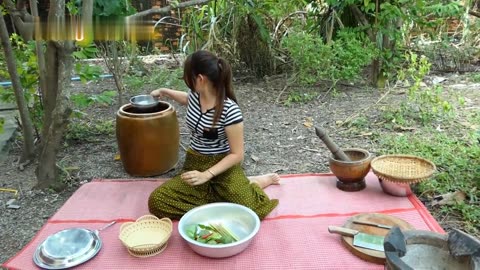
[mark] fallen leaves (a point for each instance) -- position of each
(450, 198)
(308, 122)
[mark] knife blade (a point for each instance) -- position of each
(368, 241)
(372, 224)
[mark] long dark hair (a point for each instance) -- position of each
(217, 70)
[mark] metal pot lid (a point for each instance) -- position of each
(67, 248)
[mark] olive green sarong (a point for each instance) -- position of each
(174, 198)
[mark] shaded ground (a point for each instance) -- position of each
(279, 139)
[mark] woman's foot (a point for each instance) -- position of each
(265, 180)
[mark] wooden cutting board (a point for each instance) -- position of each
(374, 256)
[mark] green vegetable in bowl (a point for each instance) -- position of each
(211, 234)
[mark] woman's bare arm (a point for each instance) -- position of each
(179, 96)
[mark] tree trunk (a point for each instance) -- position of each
(116, 65)
(42, 69)
(121, 89)
(27, 126)
(59, 63)
(118, 70)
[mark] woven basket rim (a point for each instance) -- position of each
(402, 178)
(165, 227)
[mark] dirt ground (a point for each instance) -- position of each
(278, 138)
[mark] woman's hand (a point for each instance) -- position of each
(179, 96)
(158, 93)
(195, 178)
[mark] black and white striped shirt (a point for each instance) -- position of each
(205, 138)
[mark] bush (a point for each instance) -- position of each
(343, 59)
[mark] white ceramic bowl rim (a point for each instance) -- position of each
(192, 241)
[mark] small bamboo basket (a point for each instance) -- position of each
(405, 169)
(147, 236)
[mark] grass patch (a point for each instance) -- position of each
(157, 78)
(81, 131)
(299, 97)
(476, 77)
(457, 157)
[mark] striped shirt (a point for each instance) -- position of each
(205, 138)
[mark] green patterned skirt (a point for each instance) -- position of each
(174, 198)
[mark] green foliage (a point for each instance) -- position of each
(169, 78)
(240, 31)
(104, 8)
(82, 128)
(476, 77)
(107, 8)
(2, 123)
(313, 60)
(159, 77)
(134, 81)
(299, 97)
(457, 161)
(86, 52)
(27, 69)
(82, 101)
(24, 53)
(87, 72)
(89, 131)
(389, 25)
(73, 6)
(360, 122)
(424, 104)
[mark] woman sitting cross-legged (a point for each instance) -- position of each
(212, 169)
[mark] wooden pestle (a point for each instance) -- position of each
(333, 147)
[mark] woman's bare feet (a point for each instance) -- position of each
(265, 180)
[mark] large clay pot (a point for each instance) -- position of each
(148, 140)
(418, 249)
(351, 174)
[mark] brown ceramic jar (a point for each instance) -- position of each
(148, 141)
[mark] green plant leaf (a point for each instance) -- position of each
(81, 100)
(2, 123)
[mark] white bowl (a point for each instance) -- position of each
(240, 220)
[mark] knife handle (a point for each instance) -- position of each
(341, 230)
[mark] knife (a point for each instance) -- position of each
(369, 241)
(372, 224)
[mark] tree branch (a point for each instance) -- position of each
(167, 9)
(27, 125)
(474, 13)
(39, 49)
(21, 18)
(361, 19)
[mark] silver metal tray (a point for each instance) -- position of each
(67, 248)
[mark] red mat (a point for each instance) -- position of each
(293, 236)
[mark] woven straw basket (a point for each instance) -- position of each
(402, 168)
(147, 236)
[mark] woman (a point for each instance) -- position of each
(212, 169)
